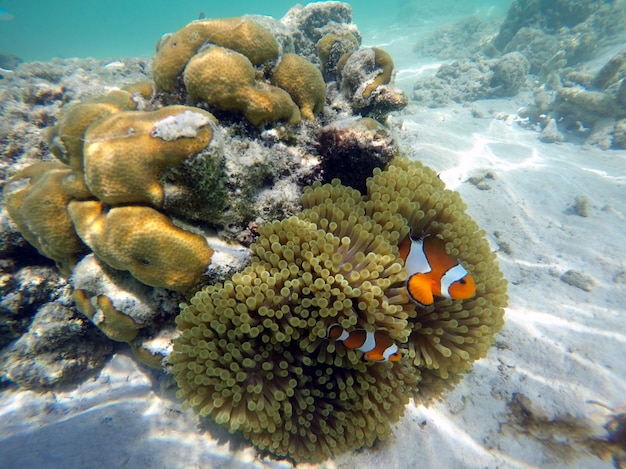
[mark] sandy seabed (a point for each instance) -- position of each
(532, 402)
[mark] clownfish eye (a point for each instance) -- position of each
(462, 281)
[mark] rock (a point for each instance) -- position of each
(578, 280)
(60, 346)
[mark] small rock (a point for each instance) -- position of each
(578, 280)
(582, 206)
(550, 133)
(481, 179)
(60, 346)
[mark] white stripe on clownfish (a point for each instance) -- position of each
(432, 272)
(376, 346)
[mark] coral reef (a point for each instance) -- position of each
(331, 48)
(145, 173)
(267, 83)
(226, 79)
(38, 210)
(127, 153)
(126, 148)
(472, 79)
(546, 39)
(124, 309)
(468, 36)
(579, 27)
(309, 23)
(253, 351)
(589, 105)
(122, 158)
(24, 291)
(144, 242)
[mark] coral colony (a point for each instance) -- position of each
(315, 347)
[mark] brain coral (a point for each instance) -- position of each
(253, 352)
(227, 80)
(126, 153)
(304, 83)
(67, 136)
(38, 210)
(366, 69)
(144, 242)
(242, 35)
(332, 47)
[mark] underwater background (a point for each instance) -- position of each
(517, 107)
(73, 28)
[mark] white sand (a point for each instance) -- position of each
(560, 346)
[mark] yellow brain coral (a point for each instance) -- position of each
(144, 242)
(226, 79)
(126, 153)
(67, 136)
(241, 34)
(304, 83)
(254, 355)
(39, 211)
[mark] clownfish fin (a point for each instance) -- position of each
(373, 356)
(420, 289)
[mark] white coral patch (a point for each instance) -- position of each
(185, 124)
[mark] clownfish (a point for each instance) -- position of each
(376, 346)
(432, 272)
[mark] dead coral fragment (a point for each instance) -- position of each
(144, 242)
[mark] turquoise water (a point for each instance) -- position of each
(42, 30)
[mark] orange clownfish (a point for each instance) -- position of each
(376, 346)
(432, 272)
